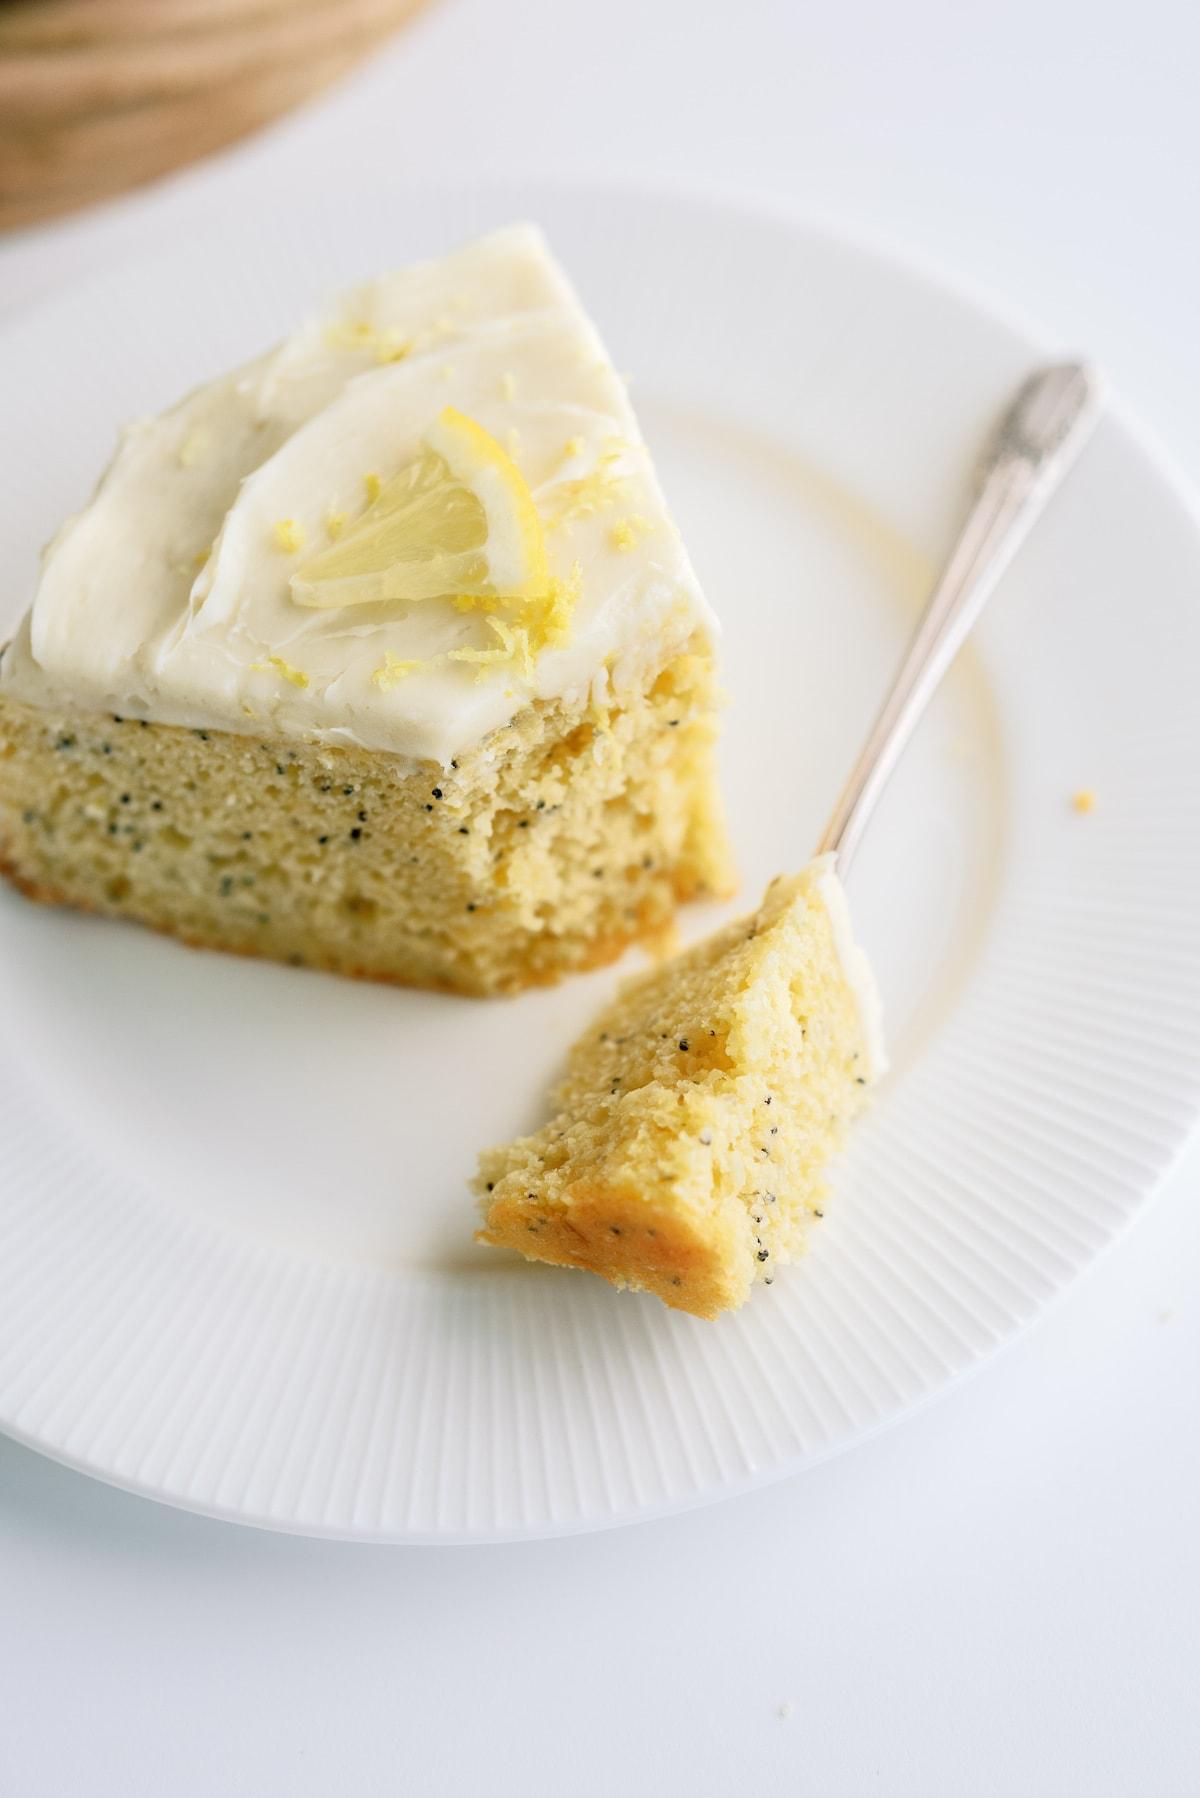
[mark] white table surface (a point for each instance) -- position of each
(1003, 1595)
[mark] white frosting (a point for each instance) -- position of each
(123, 622)
(856, 969)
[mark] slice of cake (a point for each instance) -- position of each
(691, 1133)
(381, 654)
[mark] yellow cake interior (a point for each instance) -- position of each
(687, 1151)
(548, 847)
(380, 653)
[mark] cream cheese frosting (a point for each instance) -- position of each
(856, 969)
(168, 596)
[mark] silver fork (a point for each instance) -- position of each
(1038, 439)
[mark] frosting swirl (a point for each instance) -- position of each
(168, 596)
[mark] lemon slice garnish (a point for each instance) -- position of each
(458, 520)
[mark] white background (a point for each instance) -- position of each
(1002, 1596)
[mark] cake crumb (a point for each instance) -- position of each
(1084, 800)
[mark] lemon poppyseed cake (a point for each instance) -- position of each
(381, 654)
(692, 1130)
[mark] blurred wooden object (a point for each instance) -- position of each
(100, 95)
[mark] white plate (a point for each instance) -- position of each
(236, 1265)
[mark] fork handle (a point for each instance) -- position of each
(1037, 441)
